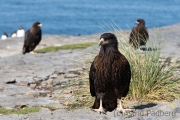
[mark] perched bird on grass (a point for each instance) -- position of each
(32, 38)
(109, 76)
(139, 34)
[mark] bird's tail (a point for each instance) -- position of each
(25, 50)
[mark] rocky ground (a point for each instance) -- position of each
(37, 80)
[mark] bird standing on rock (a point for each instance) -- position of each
(20, 32)
(139, 34)
(4, 36)
(109, 76)
(13, 34)
(32, 38)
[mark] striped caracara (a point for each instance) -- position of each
(139, 34)
(109, 76)
(32, 38)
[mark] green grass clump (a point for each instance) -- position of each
(66, 47)
(151, 79)
(25, 110)
(52, 108)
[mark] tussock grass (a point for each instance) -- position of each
(66, 47)
(25, 110)
(151, 79)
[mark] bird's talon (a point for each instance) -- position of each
(32, 52)
(100, 110)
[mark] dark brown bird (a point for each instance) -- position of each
(32, 38)
(139, 34)
(109, 75)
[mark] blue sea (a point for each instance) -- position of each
(73, 17)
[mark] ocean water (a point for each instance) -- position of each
(73, 17)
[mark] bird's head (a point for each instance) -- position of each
(37, 24)
(4, 33)
(140, 22)
(20, 28)
(108, 39)
(13, 32)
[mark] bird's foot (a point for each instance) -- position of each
(123, 111)
(32, 52)
(100, 110)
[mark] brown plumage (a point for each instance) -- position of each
(32, 38)
(109, 75)
(139, 34)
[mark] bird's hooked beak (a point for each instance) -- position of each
(102, 42)
(137, 22)
(40, 25)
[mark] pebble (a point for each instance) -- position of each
(32, 86)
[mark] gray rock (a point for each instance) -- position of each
(20, 105)
(60, 81)
(32, 86)
(1, 89)
(10, 80)
(70, 76)
(54, 76)
(33, 94)
(45, 94)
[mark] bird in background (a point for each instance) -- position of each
(13, 34)
(109, 76)
(32, 38)
(4, 36)
(20, 32)
(139, 34)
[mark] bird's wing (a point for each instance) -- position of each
(91, 79)
(27, 39)
(133, 34)
(121, 76)
(38, 36)
(144, 32)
